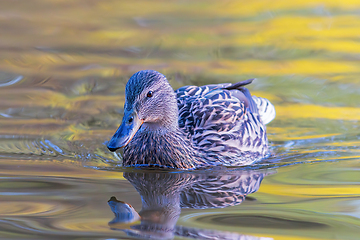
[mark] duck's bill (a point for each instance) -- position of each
(125, 132)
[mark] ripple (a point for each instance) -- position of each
(35, 112)
(30, 186)
(81, 225)
(16, 145)
(26, 208)
(35, 207)
(89, 153)
(8, 79)
(259, 221)
(324, 175)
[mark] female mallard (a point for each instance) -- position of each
(220, 124)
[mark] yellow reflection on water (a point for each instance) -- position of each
(315, 111)
(311, 191)
(141, 30)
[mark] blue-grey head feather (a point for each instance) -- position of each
(139, 82)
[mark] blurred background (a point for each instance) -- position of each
(63, 70)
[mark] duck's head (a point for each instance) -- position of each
(150, 105)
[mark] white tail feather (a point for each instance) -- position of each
(266, 109)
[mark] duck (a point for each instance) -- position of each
(192, 127)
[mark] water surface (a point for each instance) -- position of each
(63, 70)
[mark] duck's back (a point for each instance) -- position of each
(225, 122)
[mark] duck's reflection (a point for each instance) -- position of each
(164, 194)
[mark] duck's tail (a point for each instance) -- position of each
(266, 109)
(259, 105)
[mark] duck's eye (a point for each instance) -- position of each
(130, 120)
(149, 94)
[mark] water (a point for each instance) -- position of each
(63, 68)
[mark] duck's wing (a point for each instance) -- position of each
(243, 94)
(258, 105)
(190, 91)
(224, 119)
(188, 97)
(229, 100)
(237, 90)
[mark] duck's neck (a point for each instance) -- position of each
(166, 147)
